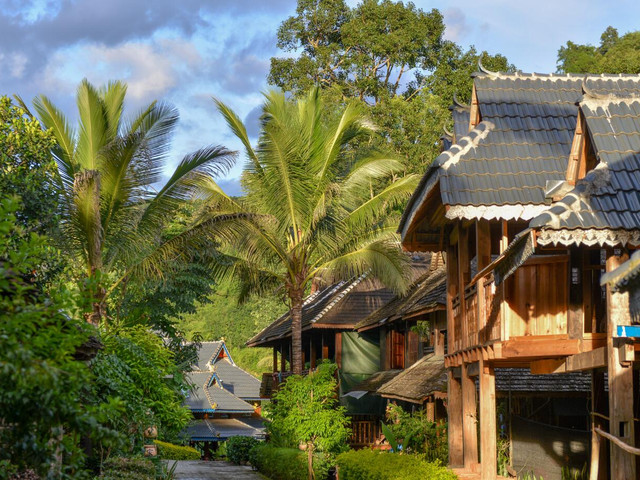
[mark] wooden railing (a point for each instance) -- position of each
(365, 430)
(481, 321)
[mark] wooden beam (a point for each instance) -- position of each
(312, 353)
(575, 314)
(620, 378)
(488, 441)
(469, 418)
(473, 369)
(454, 413)
(548, 346)
(575, 363)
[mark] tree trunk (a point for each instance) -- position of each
(296, 332)
(310, 460)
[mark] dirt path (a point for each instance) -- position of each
(199, 470)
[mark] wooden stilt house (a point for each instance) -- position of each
(476, 202)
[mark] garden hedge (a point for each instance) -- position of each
(238, 449)
(372, 465)
(119, 468)
(169, 451)
(279, 463)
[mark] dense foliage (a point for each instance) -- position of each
(418, 434)
(138, 369)
(371, 465)
(305, 412)
(169, 451)
(27, 168)
(391, 56)
(42, 384)
(238, 448)
(615, 54)
(281, 463)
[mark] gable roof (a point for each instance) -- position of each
(501, 168)
(339, 306)
(607, 198)
(219, 384)
(429, 292)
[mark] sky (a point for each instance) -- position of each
(187, 51)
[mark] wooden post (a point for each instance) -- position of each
(488, 442)
(575, 315)
(464, 274)
(431, 410)
(452, 270)
(454, 413)
(469, 418)
(325, 348)
(275, 359)
(339, 349)
(312, 353)
(504, 306)
(621, 425)
(283, 359)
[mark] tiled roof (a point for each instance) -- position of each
(219, 384)
(208, 351)
(429, 291)
(237, 381)
(425, 377)
(339, 306)
(608, 197)
(460, 114)
(501, 169)
(522, 380)
(220, 429)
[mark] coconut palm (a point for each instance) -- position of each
(314, 207)
(110, 174)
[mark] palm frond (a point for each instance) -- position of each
(93, 126)
(113, 95)
(370, 169)
(240, 131)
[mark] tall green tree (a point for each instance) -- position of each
(615, 54)
(314, 208)
(115, 204)
(390, 56)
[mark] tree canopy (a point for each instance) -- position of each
(615, 54)
(388, 55)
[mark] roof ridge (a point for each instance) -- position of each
(472, 139)
(339, 297)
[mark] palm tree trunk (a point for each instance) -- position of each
(296, 331)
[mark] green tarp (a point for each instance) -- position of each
(360, 359)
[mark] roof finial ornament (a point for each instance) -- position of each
(485, 70)
(447, 132)
(590, 93)
(458, 103)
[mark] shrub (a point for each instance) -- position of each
(418, 434)
(280, 463)
(169, 451)
(370, 465)
(119, 468)
(238, 448)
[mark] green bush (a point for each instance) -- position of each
(238, 448)
(169, 451)
(280, 463)
(371, 465)
(418, 434)
(119, 468)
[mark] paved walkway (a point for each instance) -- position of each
(199, 470)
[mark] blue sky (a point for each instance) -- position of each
(186, 51)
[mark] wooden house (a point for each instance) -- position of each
(225, 400)
(512, 301)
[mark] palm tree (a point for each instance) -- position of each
(315, 207)
(110, 173)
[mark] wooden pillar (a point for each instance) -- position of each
(431, 410)
(339, 349)
(469, 418)
(275, 359)
(504, 306)
(464, 274)
(454, 413)
(623, 464)
(283, 359)
(452, 287)
(575, 315)
(598, 469)
(488, 442)
(325, 348)
(483, 243)
(312, 353)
